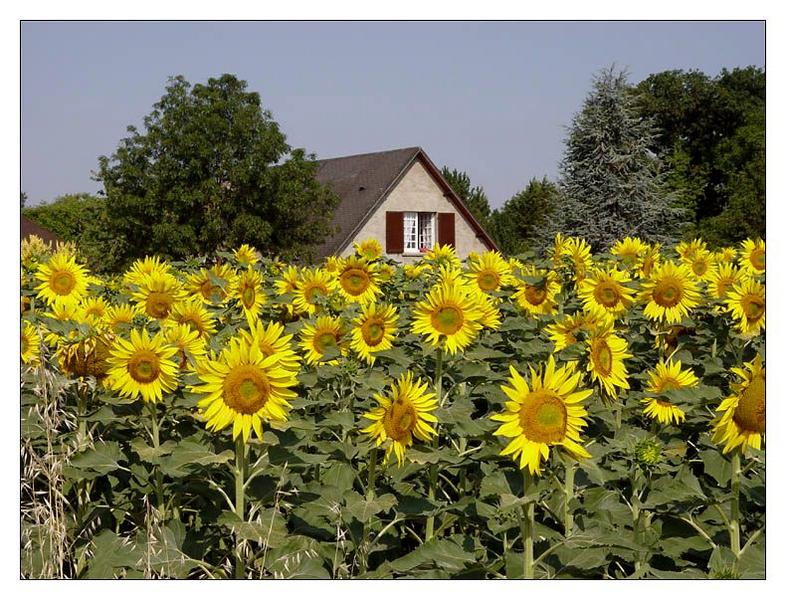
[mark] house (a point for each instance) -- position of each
(28, 228)
(401, 199)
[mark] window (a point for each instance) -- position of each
(418, 231)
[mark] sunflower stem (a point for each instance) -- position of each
(527, 525)
(82, 413)
(567, 513)
(734, 521)
(372, 474)
(240, 506)
(156, 443)
(432, 470)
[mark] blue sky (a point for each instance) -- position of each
(490, 98)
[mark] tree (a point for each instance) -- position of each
(22, 198)
(473, 196)
(613, 182)
(522, 222)
(212, 170)
(711, 130)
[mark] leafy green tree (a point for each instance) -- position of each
(522, 223)
(613, 182)
(211, 170)
(473, 196)
(711, 132)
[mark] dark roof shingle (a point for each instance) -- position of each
(28, 227)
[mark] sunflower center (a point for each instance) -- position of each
(753, 305)
(700, 266)
(603, 359)
(757, 259)
(606, 293)
(749, 414)
(62, 282)
(543, 417)
(488, 280)
(668, 292)
(144, 366)
(447, 319)
(667, 383)
(246, 389)
(355, 281)
(722, 285)
(373, 331)
(248, 296)
(313, 291)
(25, 344)
(209, 291)
(158, 304)
(400, 420)
(325, 340)
(266, 349)
(535, 295)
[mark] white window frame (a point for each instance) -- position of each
(419, 231)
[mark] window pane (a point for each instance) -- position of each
(426, 230)
(410, 231)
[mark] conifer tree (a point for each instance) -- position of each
(614, 184)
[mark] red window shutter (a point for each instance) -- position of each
(394, 232)
(446, 229)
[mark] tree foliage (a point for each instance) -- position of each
(211, 170)
(473, 196)
(711, 132)
(614, 184)
(522, 222)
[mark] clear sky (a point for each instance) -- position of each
(490, 98)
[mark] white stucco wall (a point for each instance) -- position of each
(417, 192)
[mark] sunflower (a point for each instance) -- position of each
(95, 309)
(120, 316)
(415, 271)
(212, 285)
(604, 292)
(726, 254)
(87, 357)
(752, 256)
(374, 331)
(313, 285)
(449, 317)
(244, 388)
(563, 331)
(670, 292)
(741, 422)
(142, 366)
(34, 250)
(193, 313)
(271, 340)
(442, 255)
(702, 264)
(30, 344)
(664, 377)
(288, 281)
(726, 276)
(649, 260)
(189, 344)
(557, 250)
(357, 280)
(403, 413)
(157, 293)
(580, 254)
(546, 412)
(537, 296)
(746, 303)
(246, 255)
(332, 263)
(686, 250)
(64, 311)
(247, 290)
(143, 267)
(326, 333)
(369, 249)
(489, 313)
(606, 352)
(62, 279)
(489, 271)
(629, 251)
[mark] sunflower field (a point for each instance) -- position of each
(561, 416)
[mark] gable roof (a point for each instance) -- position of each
(28, 227)
(363, 181)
